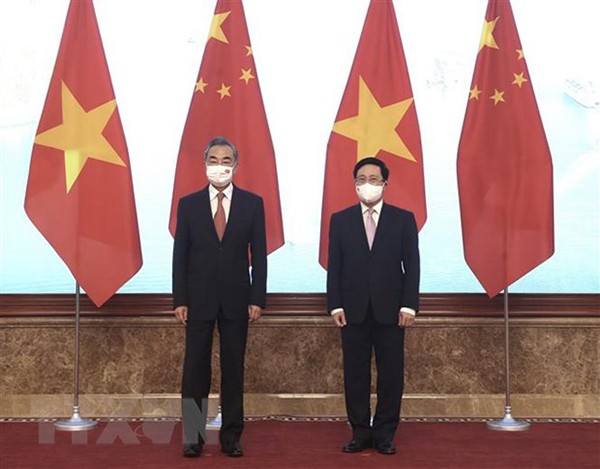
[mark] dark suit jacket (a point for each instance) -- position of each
(387, 276)
(207, 273)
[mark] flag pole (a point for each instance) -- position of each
(76, 423)
(507, 423)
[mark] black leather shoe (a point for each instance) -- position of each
(356, 446)
(192, 450)
(233, 450)
(385, 447)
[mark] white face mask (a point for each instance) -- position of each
(369, 193)
(219, 175)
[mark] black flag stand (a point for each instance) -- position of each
(76, 423)
(507, 423)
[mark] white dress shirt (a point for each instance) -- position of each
(214, 201)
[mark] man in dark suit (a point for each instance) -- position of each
(373, 295)
(219, 229)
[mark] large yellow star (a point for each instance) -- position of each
(487, 35)
(216, 31)
(374, 127)
(80, 135)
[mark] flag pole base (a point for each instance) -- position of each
(508, 423)
(215, 424)
(75, 423)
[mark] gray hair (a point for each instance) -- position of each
(218, 142)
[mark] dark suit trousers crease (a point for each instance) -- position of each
(197, 370)
(358, 341)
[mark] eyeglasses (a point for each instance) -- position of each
(374, 180)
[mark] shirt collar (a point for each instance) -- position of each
(212, 191)
(376, 208)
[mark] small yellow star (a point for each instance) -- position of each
(224, 91)
(80, 135)
(247, 75)
(519, 79)
(498, 97)
(520, 54)
(248, 50)
(487, 35)
(216, 31)
(474, 93)
(201, 85)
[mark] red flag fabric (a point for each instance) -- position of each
(227, 102)
(504, 163)
(79, 192)
(377, 117)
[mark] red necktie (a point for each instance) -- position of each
(220, 217)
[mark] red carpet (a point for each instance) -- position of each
(285, 444)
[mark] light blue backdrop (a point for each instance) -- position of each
(303, 54)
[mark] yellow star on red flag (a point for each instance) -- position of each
(474, 93)
(79, 191)
(227, 101)
(377, 117)
(216, 32)
(497, 97)
(504, 165)
(487, 35)
(201, 85)
(247, 75)
(80, 135)
(519, 79)
(374, 127)
(224, 91)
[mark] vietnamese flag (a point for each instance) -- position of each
(504, 163)
(227, 102)
(377, 117)
(79, 191)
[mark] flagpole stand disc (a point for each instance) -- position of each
(508, 423)
(215, 423)
(75, 423)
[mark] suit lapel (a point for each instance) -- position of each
(381, 227)
(358, 227)
(205, 211)
(234, 210)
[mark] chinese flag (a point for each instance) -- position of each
(227, 102)
(79, 191)
(504, 163)
(377, 117)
